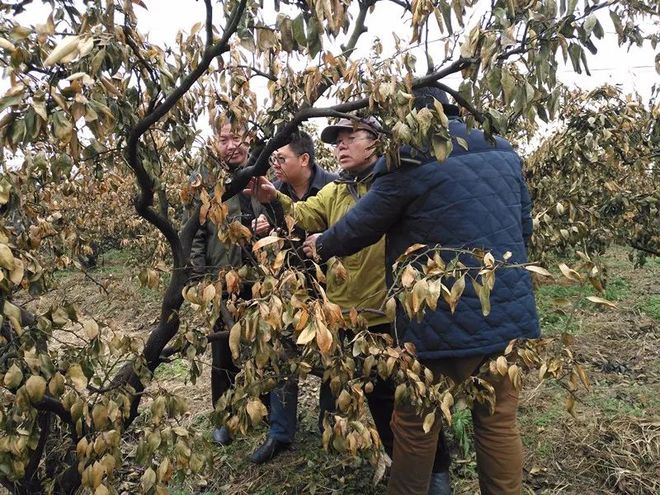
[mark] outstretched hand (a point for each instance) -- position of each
(309, 246)
(261, 189)
(261, 225)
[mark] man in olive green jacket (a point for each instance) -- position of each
(354, 142)
(354, 149)
(209, 254)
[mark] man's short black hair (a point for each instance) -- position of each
(425, 96)
(301, 143)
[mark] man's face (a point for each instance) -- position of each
(288, 166)
(354, 150)
(231, 146)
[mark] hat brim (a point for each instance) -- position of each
(330, 133)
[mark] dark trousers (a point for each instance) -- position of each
(283, 416)
(223, 372)
(284, 411)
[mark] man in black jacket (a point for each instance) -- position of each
(299, 177)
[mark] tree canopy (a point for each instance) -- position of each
(97, 116)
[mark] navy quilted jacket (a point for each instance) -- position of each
(474, 199)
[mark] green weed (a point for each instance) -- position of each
(650, 306)
(177, 369)
(462, 428)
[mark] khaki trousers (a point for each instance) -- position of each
(496, 437)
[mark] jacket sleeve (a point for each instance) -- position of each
(198, 250)
(526, 212)
(311, 214)
(371, 217)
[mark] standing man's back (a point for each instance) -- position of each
(475, 199)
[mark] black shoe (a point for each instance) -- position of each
(269, 449)
(440, 484)
(221, 436)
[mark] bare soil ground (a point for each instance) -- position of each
(613, 447)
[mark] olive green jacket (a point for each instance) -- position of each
(365, 285)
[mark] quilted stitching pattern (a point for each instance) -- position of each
(473, 199)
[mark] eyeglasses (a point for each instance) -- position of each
(348, 140)
(280, 159)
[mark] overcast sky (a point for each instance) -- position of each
(632, 69)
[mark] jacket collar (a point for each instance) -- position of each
(365, 175)
(317, 181)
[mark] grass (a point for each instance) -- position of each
(592, 454)
(176, 370)
(650, 305)
(562, 307)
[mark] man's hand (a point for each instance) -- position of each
(309, 246)
(261, 225)
(262, 189)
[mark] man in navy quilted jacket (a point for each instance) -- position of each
(476, 198)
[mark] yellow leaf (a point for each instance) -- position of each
(428, 422)
(445, 406)
(208, 294)
(232, 281)
(323, 337)
(514, 376)
(456, 292)
(5, 44)
(570, 405)
(77, 377)
(399, 392)
(408, 276)
(36, 388)
(343, 401)
(600, 300)
(91, 329)
(6, 257)
(306, 336)
(302, 317)
(99, 416)
(65, 48)
(502, 365)
(13, 313)
(256, 410)
(235, 341)
(56, 385)
(13, 377)
(266, 241)
(419, 293)
(569, 273)
(339, 270)
(148, 479)
(413, 248)
(539, 270)
(583, 376)
(16, 275)
(390, 309)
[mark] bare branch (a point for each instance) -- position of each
(54, 406)
(258, 163)
(209, 24)
(462, 101)
(359, 28)
(145, 200)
